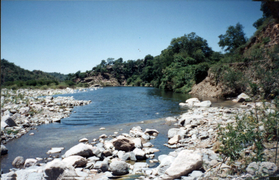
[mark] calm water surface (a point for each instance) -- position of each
(115, 108)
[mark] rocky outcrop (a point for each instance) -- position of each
(267, 39)
(105, 79)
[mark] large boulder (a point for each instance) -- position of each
(81, 149)
(124, 144)
(190, 102)
(165, 163)
(55, 169)
(186, 162)
(75, 161)
(18, 162)
(119, 168)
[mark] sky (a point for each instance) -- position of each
(67, 36)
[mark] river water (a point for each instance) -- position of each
(118, 109)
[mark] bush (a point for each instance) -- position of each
(44, 87)
(69, 83)
(251, 130)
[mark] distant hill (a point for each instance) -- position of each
(11, 73)
(58, 76)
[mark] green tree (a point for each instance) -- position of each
(233, 38)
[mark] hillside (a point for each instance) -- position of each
(255, 70)
(12, 74)
(184, 62)
(58, 76)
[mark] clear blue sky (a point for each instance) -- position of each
(68, 36)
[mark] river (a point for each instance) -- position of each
(118, 109)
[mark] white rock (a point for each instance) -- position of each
(119, 168)
(138, 143)
(80, 149)
(57, 169)
(83, 140)
(186, 162)
(174, 140)
(29, 162)
(190, 102)
(152, 132)
(203, 104)
(75, 161)
(55, 150)
(242, 97)
(140, 154)
(136, 132)
(139, 166)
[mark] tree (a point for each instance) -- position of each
(233, 38)
(110, 61)
(266, 13)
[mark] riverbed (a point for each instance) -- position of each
(117, 109)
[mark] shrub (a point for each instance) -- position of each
(251, 129)
(44, 87)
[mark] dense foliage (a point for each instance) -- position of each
(183, 63)
(15, 76)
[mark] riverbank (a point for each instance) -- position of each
(24, 109)
(196, 155)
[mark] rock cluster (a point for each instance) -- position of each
(106, 157)
(23, 110)
(193, 138)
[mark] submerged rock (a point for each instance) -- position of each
(55, 150)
